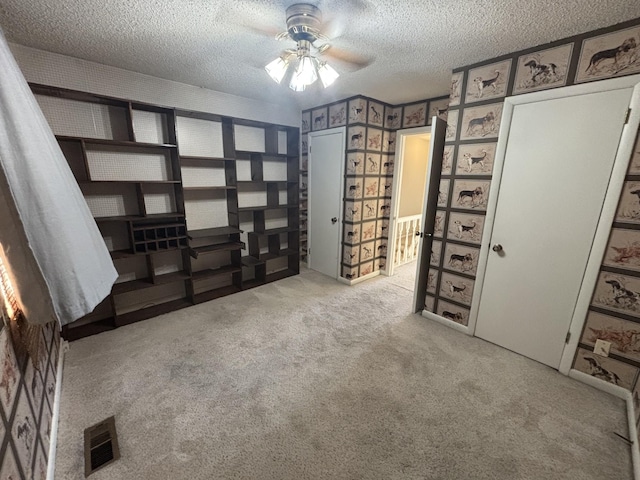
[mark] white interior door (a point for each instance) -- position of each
(555, 172)
(326, 173)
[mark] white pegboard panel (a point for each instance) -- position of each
(274, 170)
(251, 196)
(203, 177)
(282, 197)
(150, 127)
(113, 163)
(275, 219)
(167, 262)
(115, 235)
(128, 302)
(199, 138)
(48, 68)
(83, 119)
(250, 139)
(205, 209)
(159, 199)
(243, 170)
(110, 200)
(131, 268)
(282, 142)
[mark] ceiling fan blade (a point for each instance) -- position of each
(265, 31)
(353, 59)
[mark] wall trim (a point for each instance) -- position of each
(448, 323)
(53, 444)
(625, 395)
(359, 279)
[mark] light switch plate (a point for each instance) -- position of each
(602, 348)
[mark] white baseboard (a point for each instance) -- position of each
(53, 442)
(627, 396)
(445, 321)
(359, 279)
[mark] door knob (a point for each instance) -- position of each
(334, 220)
(497, 248)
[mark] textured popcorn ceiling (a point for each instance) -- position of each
(208, 43)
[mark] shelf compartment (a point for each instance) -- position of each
(262, 257)
(135, 218)
(214, 272)
(141, 284)
(204, 161)
(268, 207)
(218, 247)
(217, 187)
(152, 311)
(249, 261)
(279, 275)
(215, 293)
(275, 231)
(213, 232)
(115, 143)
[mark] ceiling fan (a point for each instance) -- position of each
(304, 26)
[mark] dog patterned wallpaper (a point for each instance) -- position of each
(26, 405)
(370, 157)
(476, 102)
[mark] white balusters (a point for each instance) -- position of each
(406, 249)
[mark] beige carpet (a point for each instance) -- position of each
(310, 379)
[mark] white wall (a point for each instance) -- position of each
(63, 71)
(414, 174)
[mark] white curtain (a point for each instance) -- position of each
(56, 254)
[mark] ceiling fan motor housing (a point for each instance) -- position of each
(303, 22)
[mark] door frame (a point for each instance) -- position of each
(616, 181)
(343, 135)
(401, 136)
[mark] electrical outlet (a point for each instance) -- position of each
(602, 348)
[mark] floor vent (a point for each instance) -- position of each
(100, 446)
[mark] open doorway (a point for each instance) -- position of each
(409, 187)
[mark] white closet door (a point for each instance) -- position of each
(557, 166)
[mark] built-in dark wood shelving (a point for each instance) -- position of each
(151, 235)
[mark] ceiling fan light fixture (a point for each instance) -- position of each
(296, 84)
(327, 73)
(306, 70)
(277, 69)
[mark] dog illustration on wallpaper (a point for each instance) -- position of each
(319, 121)
(354, 233)
(25, 432)
(372, 188)
(623, 250)
(598, 371)
(456, 290)
(415, 117)
(456, 317)
(621, 56)
(623, 340)
(438, 227)
(354, 190)
(621, 295)
(484, 84)
(431, 281)
(367, 252)
(338, 118)
(356, 140)
(466, 230)
(376, 115)
(369, 232)
(482, 125)
(357, 111)
(304, 146)
(305, 125)
(471, 198)
(446, 159)
(461, 262)
(367, 270)
(374, 142)
(372, 165)
(475, 161)
(393, 120)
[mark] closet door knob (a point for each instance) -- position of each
(334, 220)
(497, 248)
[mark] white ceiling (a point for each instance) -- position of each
(208, 43)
